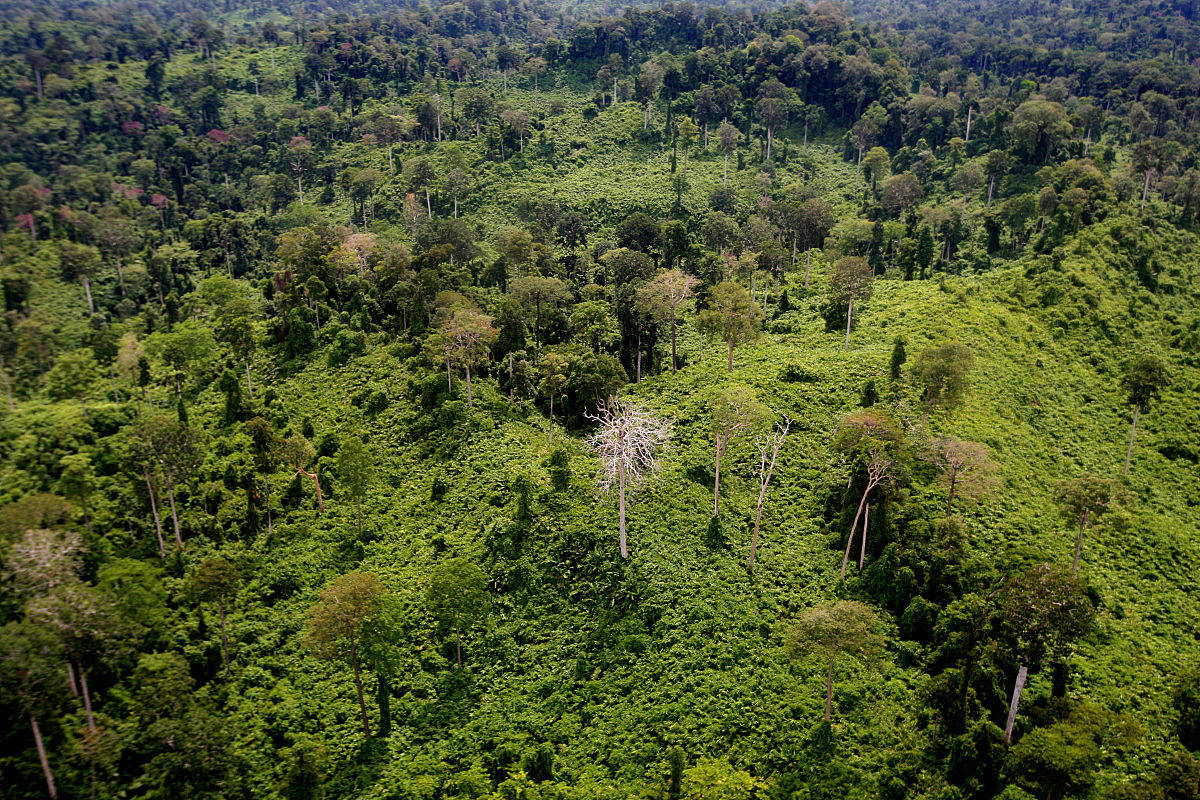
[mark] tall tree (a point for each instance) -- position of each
(297, 452)
(627, 441)
(844, 628)
(735, 410)
(554, 372)
(665, 295)
(334, 624)
(967, 469)
(265, 450)
(851, 278)
(1039, 610)
(728, 136)
(215, 580)
(1143, 383)
(457, 597)
(873, 442)
(1083, 500)
(943, 373)
(356, 468)
(732, 315)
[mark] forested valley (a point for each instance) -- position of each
(544, 401)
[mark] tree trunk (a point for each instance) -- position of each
(829, 691)
(358, 514)
(120, 276)
(1079, 543)
(458, 647)
(174, 513)
(428, 204)
(162, 551)
(862, 552)
(383, 697)
(1132, 433)
(1018, 687)
(638, 368)
(970, 111)
(991, 188)
(624, 544)
(224, 634)
(41, 750)
(12, 406)
(470, 396)
(729, 359)
(950, 497)
(1145, 191)
(87, 290)
(249, 385)
(717, 480)
(807, 265)
(762, 494)
(674, 366)
(854, 527)
(362, 705)
(87, 697)
(267, 480)
(550, 443)
(849, 317)
(725, 179)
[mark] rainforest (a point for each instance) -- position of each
(559, 399)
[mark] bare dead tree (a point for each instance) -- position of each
(627, 442)
(768, 453)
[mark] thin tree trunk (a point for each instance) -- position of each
(717, 481)
(624, 543)
(12, 406)
(41, 750)
(550, 443)
(87, 697)
(458, 647)
(358, 514)
(807, 265)
(638, 369)
(267, 480)
(674, 367)
(729, 360)
(1079, 544)
(854, 527)
(72, 684)
(1132, 433)
(87, 290)
(725, 179)
(174, 513)
(991, 188)
(162, 550)
(249, 385)
(224, 634)
(1145, 191)
(362, 704)
(849, 317)
(862, 553)
(829, 691)
(950, 497)
(1018, 687)
(470, 397)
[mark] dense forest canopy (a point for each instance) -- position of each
(520, 399)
